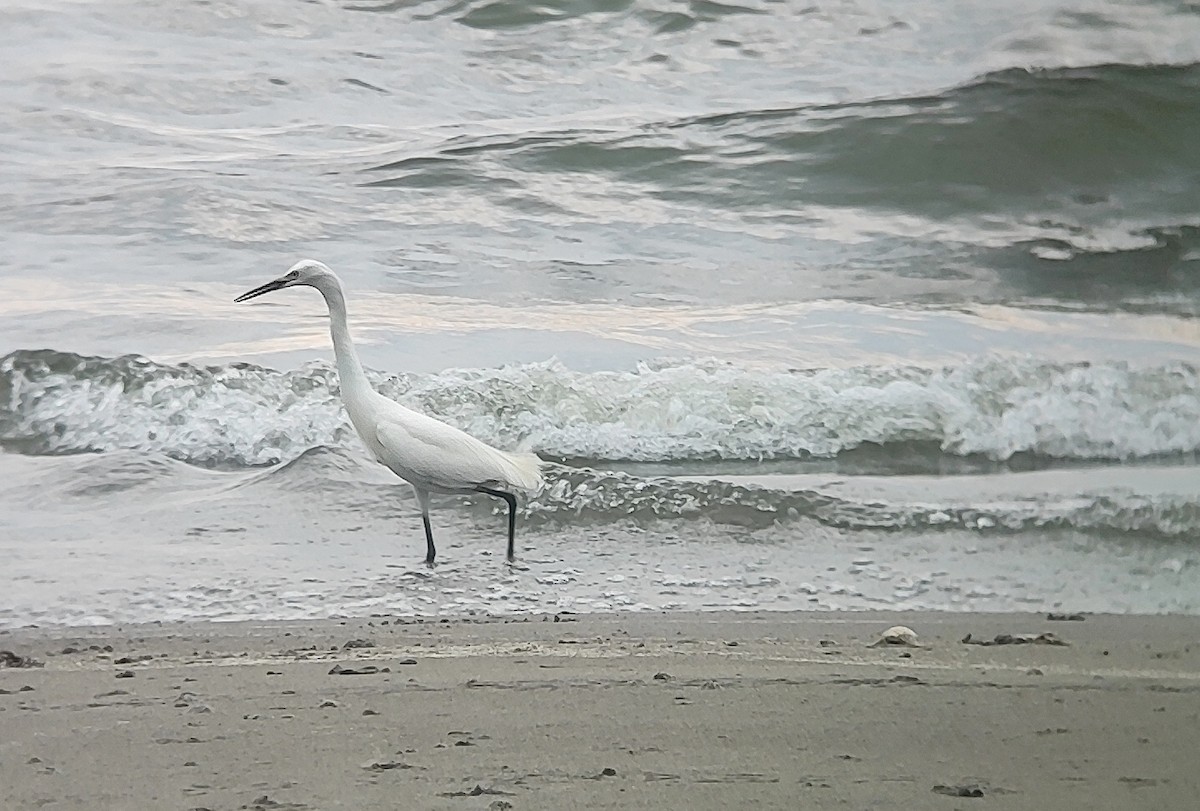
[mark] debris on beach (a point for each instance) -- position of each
(475, 792)
(338, 670)
(1046, 638)
(386, 765)
(10, 659)
(897, 635)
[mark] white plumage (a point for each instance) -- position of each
(427, 453)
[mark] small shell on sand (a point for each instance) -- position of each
(897, 635)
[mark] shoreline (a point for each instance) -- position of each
(656, 711)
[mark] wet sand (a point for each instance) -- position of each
(657, 711)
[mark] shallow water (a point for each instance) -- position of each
(837, 305)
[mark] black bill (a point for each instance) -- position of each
(258, 291)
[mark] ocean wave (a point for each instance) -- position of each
(1157, 503)
(1057, 161)
(1070, 134)
(1087, 502)
(586, 495)
(238, 415)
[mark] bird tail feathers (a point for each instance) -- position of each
(525, 470)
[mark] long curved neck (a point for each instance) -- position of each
(351, 376)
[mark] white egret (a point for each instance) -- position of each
(429, 454)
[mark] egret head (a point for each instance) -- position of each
(305, 272)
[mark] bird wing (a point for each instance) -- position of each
(431, 453)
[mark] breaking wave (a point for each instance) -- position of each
(241, 415)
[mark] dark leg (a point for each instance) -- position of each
(430, 550)
(512, 515)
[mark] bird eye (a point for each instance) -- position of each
(295, 274)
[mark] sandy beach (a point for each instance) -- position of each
(696, 711)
